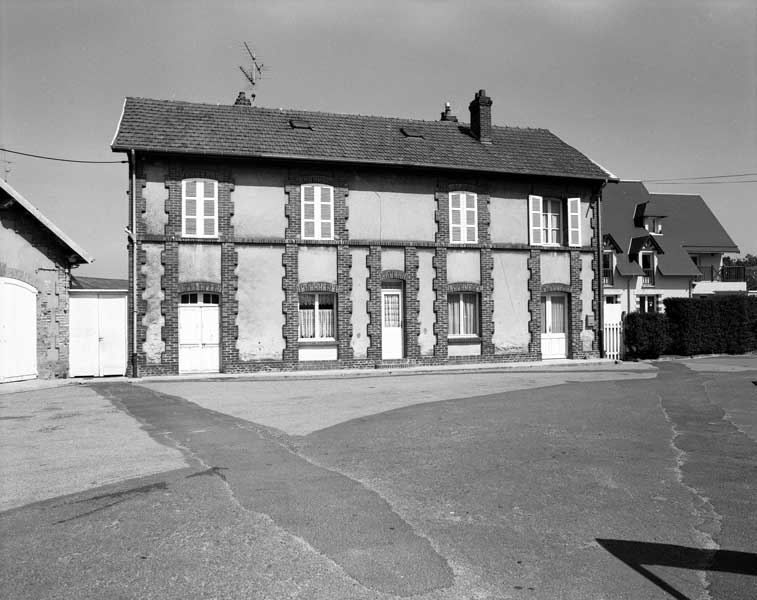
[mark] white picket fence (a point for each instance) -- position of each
(614, 340)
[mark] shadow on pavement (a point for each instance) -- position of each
(637, 555)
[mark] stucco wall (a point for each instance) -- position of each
(199, 262)
(393, 259)
(555, 267)
(155, 194)
(317, 264)
(153, 295)
(509, 220)
(463, 265)
(259, 199)
(259, 295)
(586, 213)
(392, 207)
(464, 349)
(511, 296)
(426, 297)
(359, 296)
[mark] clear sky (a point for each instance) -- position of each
(648, 89)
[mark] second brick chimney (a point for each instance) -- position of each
(481, 117)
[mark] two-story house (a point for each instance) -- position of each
(658, 246)
(284, 239)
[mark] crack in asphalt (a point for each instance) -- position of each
(333, 514)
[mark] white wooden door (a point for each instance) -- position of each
(112, 338)
(84, 333)
(554, 343)
(198, 338)
(391, 323)
(18, 330)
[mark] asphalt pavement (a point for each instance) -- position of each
(590, 484)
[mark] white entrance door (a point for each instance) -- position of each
(391, 323)
(97, 329)
(198, 333)
(18, 330)
(554, 326)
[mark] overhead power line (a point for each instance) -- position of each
(676, 179)
(699, 182)
(71, 160)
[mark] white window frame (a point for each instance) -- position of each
(199, 217)
(464, 334)
(316, 317)
(463, 211)
(648, 281)
(568, 212)
(610, 278)
(318, 209)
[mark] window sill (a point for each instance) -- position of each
(317, 342)
(464, 339)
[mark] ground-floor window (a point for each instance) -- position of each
(648, 304)
(316, 315)
(463, 314)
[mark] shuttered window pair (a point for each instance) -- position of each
(463, 218)
(553, 222)
(317, 212)
(199, 208)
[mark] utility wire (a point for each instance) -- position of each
(700, 182)
(90, 162)
(692, 178)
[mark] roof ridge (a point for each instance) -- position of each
(333, 114)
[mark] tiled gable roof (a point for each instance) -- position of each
(250, 131)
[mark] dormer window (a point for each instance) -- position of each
(653, 225)
(608, 267)
(647, 264)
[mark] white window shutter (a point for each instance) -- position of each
(574, 221)
(327, 213)
(534, 220)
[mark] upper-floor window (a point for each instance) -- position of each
(554, 221)
(647, 263)
(317, 212)
(608, 267)
(463, 218)
(199, 208)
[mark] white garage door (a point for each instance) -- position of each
(18, 330)
(97, 325)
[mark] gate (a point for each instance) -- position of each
(614, 341)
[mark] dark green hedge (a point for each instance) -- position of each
(712, 325)
(646, 335)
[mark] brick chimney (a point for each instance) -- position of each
(242, 100)
(481, 117)
(447, 114)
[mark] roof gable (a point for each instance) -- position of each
(79, 254)
(250, 131)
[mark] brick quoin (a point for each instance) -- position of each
(412, 305)
(373, 262)
(534, 303)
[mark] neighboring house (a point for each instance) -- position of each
(36, 259)
(284, 239)
(659, 246)
(98, 326)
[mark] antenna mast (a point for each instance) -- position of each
(254, 72)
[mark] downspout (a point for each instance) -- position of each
(135, 286)
(600, 282)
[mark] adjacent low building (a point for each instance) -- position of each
(285, 239)
(36, 259)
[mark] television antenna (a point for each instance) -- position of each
(254, 72)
